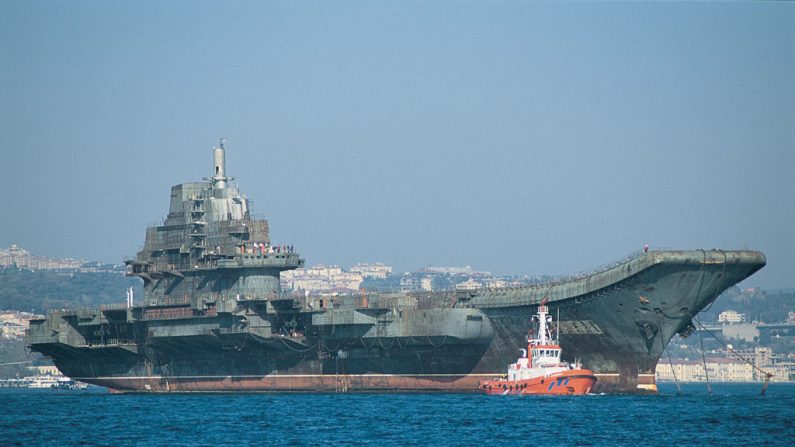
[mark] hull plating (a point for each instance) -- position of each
(617, 328)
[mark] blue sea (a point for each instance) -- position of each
(734, 414)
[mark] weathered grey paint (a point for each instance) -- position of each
(214, 318)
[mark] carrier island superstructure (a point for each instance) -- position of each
(214, 317)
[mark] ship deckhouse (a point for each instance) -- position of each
(209, 229)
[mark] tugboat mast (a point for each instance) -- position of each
(544, 336)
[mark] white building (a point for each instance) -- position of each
(321, 279)
(747, 365)
(377, 270)
(466, 270)
(15, 323)
(740, 331)
(14, 255)
(718, 369)
(731, 317)
(409, 283)
(496, 283)
(469, 284)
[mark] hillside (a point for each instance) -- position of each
(41, 290)
(758, 305)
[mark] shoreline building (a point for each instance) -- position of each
(321, 279)
(15, 323)
(376, 270)
(731, 317)
(746, 365)
(21, 258)
(720, 369)
(470, 284)
(14, 256)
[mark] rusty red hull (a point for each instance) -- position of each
(309, 383)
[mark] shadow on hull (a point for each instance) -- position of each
(617, 322)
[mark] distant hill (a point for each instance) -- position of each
(758, 305)
(41, 290)
(12, 356)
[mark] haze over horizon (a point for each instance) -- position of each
(518, 138)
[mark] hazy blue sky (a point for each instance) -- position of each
(516, 137)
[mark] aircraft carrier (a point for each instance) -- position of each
(214, 317)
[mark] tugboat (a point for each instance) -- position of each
(542, 371)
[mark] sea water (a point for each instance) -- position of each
(733, 414)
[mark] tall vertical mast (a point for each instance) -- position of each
(542, 324)
(219, 178)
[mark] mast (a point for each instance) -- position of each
(219, 178)
(542, 323)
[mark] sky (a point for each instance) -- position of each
(516, 137)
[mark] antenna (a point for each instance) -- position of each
(219, 178)
(557, 327)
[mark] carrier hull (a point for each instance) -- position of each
(618, 328)
(214, 317)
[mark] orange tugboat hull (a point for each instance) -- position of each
(580, 381)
